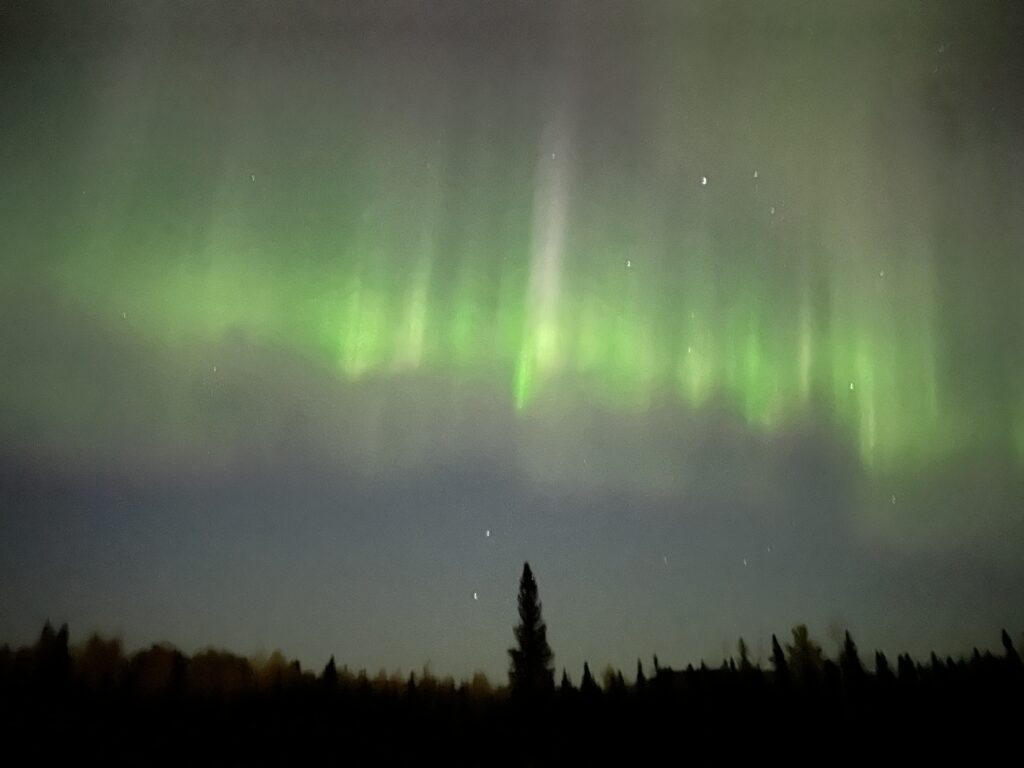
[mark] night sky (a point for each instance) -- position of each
(318, 319)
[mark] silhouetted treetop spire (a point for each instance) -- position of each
(587, 684)
(849, 659)
(1011, 653)
(779, 660)
(532, 668)
(566, 685)
(329, 677)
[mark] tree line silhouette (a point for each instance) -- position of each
(159, 705)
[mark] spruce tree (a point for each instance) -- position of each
(779, 661)
(566, 686)
(587, 685)
(1011, 653)
(882, 669)
(849, 660)
(329, 677)
(806, 659)
(744, 654)
(532, 670)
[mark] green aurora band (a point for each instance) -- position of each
(768, 243)
(857, 339)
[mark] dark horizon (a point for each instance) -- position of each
(161, 706)
(263, 660)
(109, 651)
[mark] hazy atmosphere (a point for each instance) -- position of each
(318, 319)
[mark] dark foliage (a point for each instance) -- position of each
(94, 703)
(531, 672)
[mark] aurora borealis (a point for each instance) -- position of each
(710, 310)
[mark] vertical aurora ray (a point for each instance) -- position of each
(412, 334)
(540, 352)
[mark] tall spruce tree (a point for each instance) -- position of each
(587, 685)
(744, 652)
(849, 660)
(779, 662)
(1012, 657)
(532, 670)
